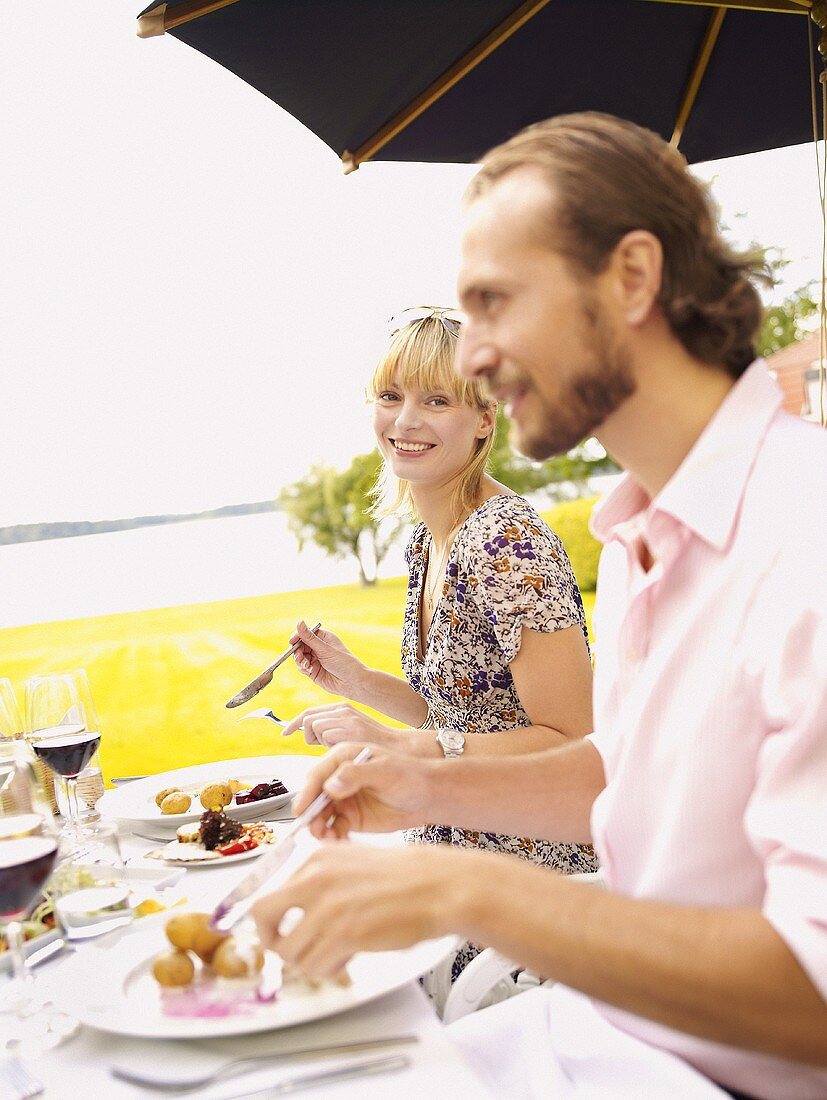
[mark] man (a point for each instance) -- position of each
(601, 299)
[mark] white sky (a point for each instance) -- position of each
(192, 294)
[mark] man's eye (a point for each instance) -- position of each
(388, 396)
(438, 401)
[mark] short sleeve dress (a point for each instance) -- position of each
(506, 570)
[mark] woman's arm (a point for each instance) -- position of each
(326, 660)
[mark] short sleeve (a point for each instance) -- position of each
(519, 574)
(786, 819)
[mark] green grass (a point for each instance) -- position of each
(160, 678)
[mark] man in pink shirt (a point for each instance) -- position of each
(601, 299)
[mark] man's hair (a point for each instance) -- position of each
(422, 355)
(609, 177)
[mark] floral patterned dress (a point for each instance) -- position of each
(506, 570)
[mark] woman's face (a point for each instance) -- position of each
(427, 437)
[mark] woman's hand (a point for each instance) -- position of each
(327, 661)
(334, 723)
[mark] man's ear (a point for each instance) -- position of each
(637, 269)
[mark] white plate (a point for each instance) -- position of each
(222, 861)
(134, 803)
(125, 999)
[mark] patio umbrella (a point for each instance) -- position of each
(444, 80)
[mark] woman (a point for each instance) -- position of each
(494, 636)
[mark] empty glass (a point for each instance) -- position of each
(90, 888)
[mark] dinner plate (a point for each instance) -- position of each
(109, 986)
(134, 803)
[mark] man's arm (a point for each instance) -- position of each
(723, 975)
(499, 794)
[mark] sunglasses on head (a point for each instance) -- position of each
(450, 319)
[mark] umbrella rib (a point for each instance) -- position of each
(442, 84)
(696, 76)
(780, 7)
(161, 18)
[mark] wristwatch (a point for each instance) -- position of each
(452, 742)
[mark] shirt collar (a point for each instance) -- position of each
(705, 491)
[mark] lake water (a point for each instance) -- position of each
(179, 563)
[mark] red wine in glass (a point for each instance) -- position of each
(68, 753)
(25, 864)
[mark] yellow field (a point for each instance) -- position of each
(160, 678)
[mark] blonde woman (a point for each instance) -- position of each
(494, 646)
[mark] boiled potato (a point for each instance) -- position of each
(231, 960)
(215, 796)
(176, 803)
(161, 795)
(182, 929)
(175, 968)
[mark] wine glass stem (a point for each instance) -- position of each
(72, 801)
(14, 938)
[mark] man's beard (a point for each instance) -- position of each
(586, 399)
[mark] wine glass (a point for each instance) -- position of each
(62, 726)
(29, 848)
(11, 723)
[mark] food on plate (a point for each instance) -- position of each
(292, 978)
(234, 960)
(173, 969)
(217, 829)
(161, 795)
(215, 835)
(219, 953)
(176, 802)
(260, 791)
(192, 932)
(215, 796)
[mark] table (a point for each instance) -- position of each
(80, 1068)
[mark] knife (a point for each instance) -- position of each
(264, 678)
(230, 910)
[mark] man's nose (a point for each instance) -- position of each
(475, 358)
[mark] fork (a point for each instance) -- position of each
(264, 712)
(15, 1077)
(245, 1065)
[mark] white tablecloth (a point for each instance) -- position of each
(80, 1069)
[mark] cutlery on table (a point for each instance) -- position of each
(343, 1073)
(17, 1082)
(223, 917)
(264, 678)
(119, 780)
(237, 1066)
(48, 951)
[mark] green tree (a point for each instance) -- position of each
(562, 477)
(331, 508)
(786, 322)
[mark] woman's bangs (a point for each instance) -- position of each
(422, 358)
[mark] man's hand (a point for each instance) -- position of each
(356, 898)
(380, 795)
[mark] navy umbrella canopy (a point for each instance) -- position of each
(444, 80)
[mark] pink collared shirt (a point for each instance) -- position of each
(711, 698)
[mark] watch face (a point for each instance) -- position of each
(451, 739)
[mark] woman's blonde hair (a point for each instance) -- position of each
(421, 355)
